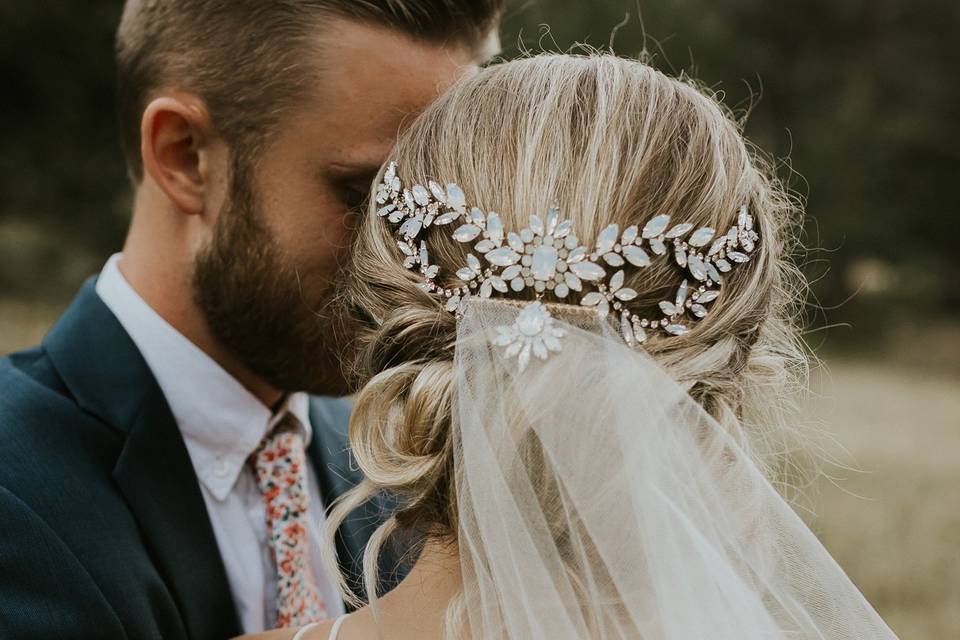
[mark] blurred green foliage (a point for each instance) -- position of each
(858, 99)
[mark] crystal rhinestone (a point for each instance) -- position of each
(437, 191)
(524, 359)
(723, 265)
(476, 215)
(511, 272)
(431, 271)
(562, 266)
(527, 260)
(746, 243)
(707, 296)
(411, 228)
(563, 229)
(701, 236)
(486, 289)
(544, 262)
(485, 245)
(588, 270)
(636, 256)
(613, 259)
(561, 290)
(397, 216)
(742, 216)
(736, 256)
(573, 281)
(494, 228)
(532, 319)
(539, 286)
(679, 230)
(680, 255)
(558, 244)
(406, 248)
(409, 199)
(607, 238)
(503, 257)
(640, 334)
(626, 330)
(517, 284)
(473, 262)
(592, 299)
(528, 281)
(712, 272)
(382, 211)
(577, 255)
(625, 295)
(453, 303)
(698, 310)
(655, 226)
(424, 254)
(617, 280)
(539, 349)
(675, 329)
(657, 246)
(455, 198)
(553, 217)
(682, 293)
(629, 234)
(466, 233)
(668, 308)
(498, 283)
(446, 218)
(420, 195)
(526, 235)
(717, 245)
(515, 242)
(697, 269)
(526, 272)
(536, 225)
(570, 242)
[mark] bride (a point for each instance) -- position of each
(573, 323)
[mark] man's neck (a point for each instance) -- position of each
(165, 283)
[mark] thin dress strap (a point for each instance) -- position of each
(335, 630)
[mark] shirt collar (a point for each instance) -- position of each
(221, 421)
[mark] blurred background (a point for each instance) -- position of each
(859, 102)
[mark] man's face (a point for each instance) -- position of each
(264, 281)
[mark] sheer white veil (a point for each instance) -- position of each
(598, 500)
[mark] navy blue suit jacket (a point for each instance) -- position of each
(103, 529)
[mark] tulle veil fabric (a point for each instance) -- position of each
(598, 500)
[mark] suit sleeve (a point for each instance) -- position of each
(44, 590)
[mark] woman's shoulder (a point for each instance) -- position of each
(318, 631)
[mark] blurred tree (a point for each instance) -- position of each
(860, 95)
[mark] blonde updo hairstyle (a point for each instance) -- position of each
(609, 140)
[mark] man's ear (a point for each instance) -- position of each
(175, 136)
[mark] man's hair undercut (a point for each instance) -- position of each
(249, 60)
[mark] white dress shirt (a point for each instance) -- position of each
(222, 424)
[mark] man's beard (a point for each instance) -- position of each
(251, 297)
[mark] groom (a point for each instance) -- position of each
(162, 470)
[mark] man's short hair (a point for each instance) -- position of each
(250, 59)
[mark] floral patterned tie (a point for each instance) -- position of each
(281, 473)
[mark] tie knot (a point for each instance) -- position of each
(281, 456)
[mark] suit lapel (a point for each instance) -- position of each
(105, 372)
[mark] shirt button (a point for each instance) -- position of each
(221, 470)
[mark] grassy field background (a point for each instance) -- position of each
(888, 508)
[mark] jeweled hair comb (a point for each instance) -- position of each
(547, 256)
